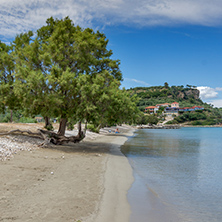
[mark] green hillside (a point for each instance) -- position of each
(150, 96)
(186, 97)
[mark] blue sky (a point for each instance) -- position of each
(157, 41)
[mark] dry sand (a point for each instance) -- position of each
(86, 181)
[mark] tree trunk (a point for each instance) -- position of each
(80, 128)
(62, 127)
(48, 125)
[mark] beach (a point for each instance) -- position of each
(76, 182)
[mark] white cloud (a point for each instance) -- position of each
(219, 89)
(211, 95)
(216, 103)
(137, 81)
(20, 15)
(207, 92)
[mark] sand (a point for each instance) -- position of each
(79, 182)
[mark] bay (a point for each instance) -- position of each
(178, 174)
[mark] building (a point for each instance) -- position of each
(151, 109)
(198, 108)
(188, 109)
(171, 111)
(175, 105)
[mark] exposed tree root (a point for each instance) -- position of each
(26, 132)
(48, 136)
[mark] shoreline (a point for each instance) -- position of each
(114, 206)
(203, 126)
(84, 182)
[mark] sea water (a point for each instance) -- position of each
(178, 175)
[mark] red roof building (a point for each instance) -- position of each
(151, 109)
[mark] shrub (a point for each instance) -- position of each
(196, 123)
(27, 120)
(172, 122)
(93, 128)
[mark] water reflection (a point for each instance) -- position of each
(183, 167)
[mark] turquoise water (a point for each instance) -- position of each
(178, 174)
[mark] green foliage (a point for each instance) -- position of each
(172, 122)
(5, 118)
(7, 66)
(67, 72)
(186, 96)
(70, 124)
(190, 116)
(150, 96)
(146, 119)
(26, 120)
(49, 127)
(93, 128)
(201, 117)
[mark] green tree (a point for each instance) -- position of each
(7, 98)
(166, 85)
(67, 72)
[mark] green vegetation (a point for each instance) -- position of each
(146, 119)
(211, 116)
(150, 96)
(93, 128)
(186, 97)
(15, 116)
(66, 72)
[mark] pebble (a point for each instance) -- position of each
(11, 145)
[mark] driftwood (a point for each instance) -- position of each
(48, 136)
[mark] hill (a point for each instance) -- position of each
(188, 96)
(150, 96)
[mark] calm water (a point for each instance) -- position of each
(178, 175)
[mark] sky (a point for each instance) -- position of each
(156, 41)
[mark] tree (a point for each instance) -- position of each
(166, 85)
(7, 98)
(189, 86)
(67, 72)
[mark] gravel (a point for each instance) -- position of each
(11, 145)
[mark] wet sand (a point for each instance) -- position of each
(86, 181)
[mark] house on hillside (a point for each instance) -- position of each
(198, 108)
(169, 111)
(151, 109)
(175, 105)
(188, 109)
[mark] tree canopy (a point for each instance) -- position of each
(64, 71)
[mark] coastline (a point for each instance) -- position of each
(83, 182)
(114, 206)
(204, 126)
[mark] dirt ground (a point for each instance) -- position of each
(63, 183)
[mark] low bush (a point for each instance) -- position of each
(93, 128)
(26, 120)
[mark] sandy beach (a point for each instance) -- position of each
(84, 182)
